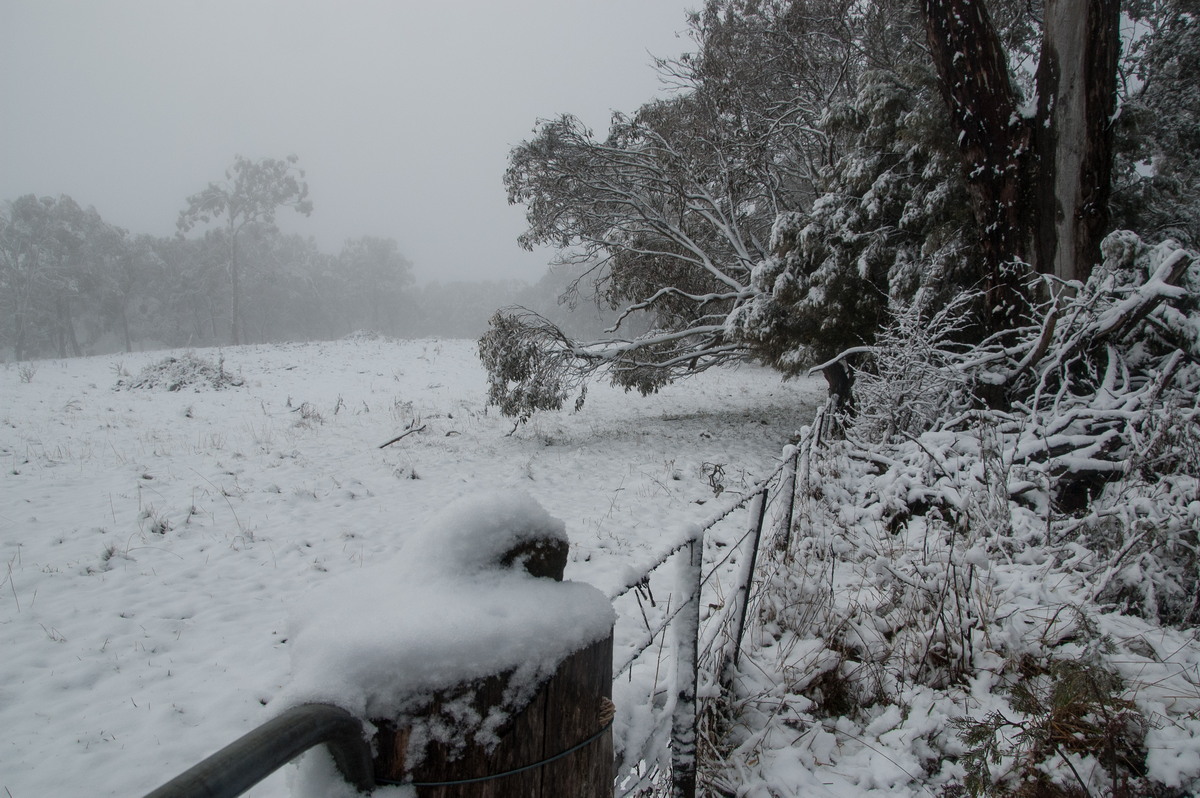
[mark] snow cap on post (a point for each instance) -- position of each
(463, 600)
(494, 530)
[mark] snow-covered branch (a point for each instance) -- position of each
(533, 366)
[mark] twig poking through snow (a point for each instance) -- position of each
(13, 585)
(402, 435)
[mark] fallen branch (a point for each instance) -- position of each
(402, 435)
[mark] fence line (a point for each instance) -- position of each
(697, 531)
(691, 650)
(253, 757)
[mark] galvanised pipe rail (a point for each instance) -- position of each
(248, 760)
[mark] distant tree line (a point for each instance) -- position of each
(72, 283)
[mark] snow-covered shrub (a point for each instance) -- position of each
(308, 417)
(991, 512)
(185, 371)
(904, 386)
(1066, 707)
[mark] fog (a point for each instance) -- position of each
(402, 113)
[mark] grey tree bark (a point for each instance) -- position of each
(1077, 89)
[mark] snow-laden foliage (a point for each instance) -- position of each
(809, 172)
(526, 364)
(1158, 132)
(907, 378)
(995, 574)
(532, 365)
(891, 222)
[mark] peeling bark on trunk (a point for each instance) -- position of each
(1077, 83)
(1039, 188)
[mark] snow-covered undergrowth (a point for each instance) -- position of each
(182, 372)
(993, 586)
(155, 543)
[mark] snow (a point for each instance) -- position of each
(177, 567)
(156, 546)
(441, 613)
(894, 530)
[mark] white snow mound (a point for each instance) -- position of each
(441, 613)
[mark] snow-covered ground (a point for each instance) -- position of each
(154, 542)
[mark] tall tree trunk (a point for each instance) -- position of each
(1039, 190)
(1051, 209)
(60, 329)
(125, 327)
(235, 285)
(1077, 89)
(69, 327)
(993, 141)
(19, 337)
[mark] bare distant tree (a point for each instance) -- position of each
(250, 195)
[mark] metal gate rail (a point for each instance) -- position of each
(251, 758)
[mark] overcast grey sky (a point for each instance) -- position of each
(402, 112)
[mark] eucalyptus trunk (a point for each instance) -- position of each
(993, 142)
(236, 290)
(1077, 89)
(1039, 187)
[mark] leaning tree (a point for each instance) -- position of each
(749, 226)
(672, 212)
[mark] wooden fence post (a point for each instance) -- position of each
(559, 745)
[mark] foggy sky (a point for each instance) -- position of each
(402, 112)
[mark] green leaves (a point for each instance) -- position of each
(1062, 708)
(527, 365)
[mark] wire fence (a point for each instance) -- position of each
(695, 637)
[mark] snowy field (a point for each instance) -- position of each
(153, 542)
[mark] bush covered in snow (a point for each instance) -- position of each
(185, 371)
(995, 574)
